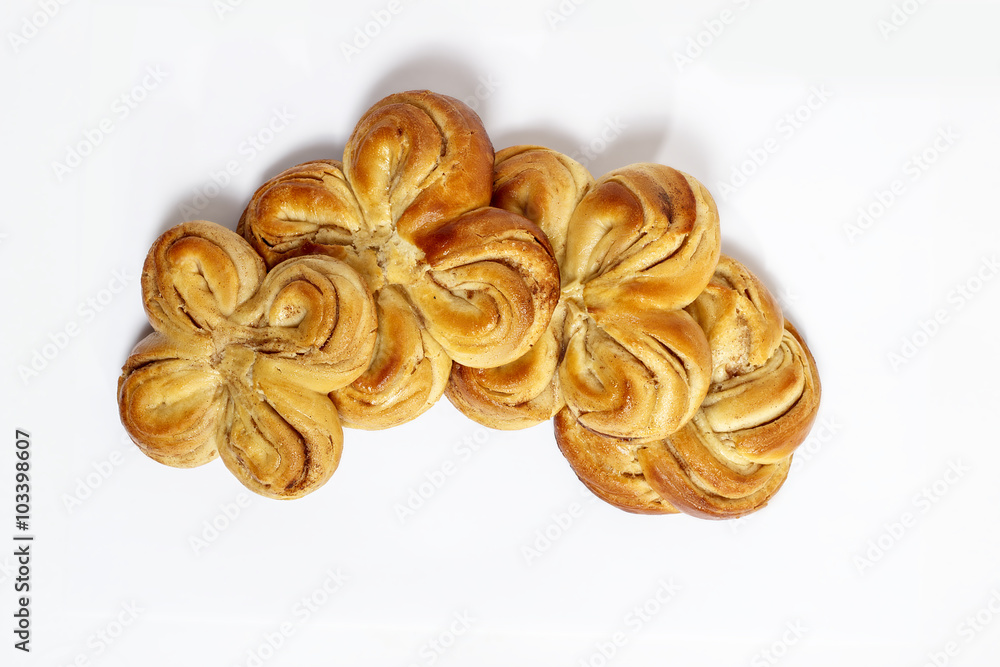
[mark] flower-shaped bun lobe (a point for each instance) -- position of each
(416, 159)
(645, 237)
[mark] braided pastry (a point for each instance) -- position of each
(242, 360)
(453, 278)
(620, 354)
(734, 454)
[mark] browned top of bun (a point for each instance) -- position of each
(409, 208)
(635, 247)
(242, 360)
(734, 454)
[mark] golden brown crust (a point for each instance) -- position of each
(186, 434)
(634, 248)
(517, 395)
(305, 210)
(767, 413)
(635, 375)
(740, 317)
(608, 467)
(402, 380)
(194, 277)
(428, 152)
(646, 236)
(545, 187)
(409, 209)
(735, 453)
(542, 185)
(689, 480)
(242, 362)
(491, 287)
(359, 292)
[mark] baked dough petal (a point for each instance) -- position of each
(636, 375)
(645, 237)
(316, 319)
(172, 404)
(406, 376)
(285, 441)
(517, 395)
(545, 187)
(491, 287)
(608, 466)
(194, 278)
(305, 210)
(687, 471)
(542, 185)
(417, 159)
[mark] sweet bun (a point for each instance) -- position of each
(357, 291)
(621, 355)
(454, 279)
(735, 453)
(242, 360)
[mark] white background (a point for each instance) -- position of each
(850, 564)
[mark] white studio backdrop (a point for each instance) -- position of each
(851, 148)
